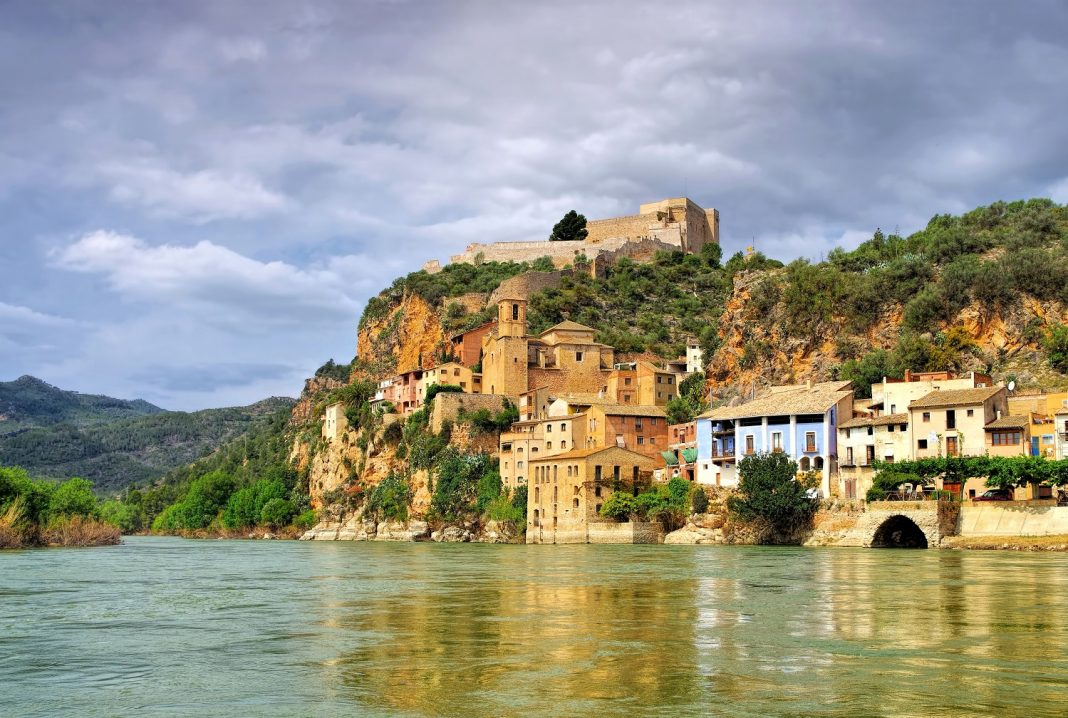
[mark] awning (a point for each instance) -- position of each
(689, 455)
(670, 458)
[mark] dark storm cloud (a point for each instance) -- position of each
(236, 179)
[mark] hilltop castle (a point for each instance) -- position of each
(677, 223)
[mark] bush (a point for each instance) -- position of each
(389, 500)
(619, 506)
(74, 497)
(459, 482)
(888, 480)
(306, 520)
(277, 512)
(768, 491)
(699, 503)
(1056, 343)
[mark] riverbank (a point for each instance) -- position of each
(1058, 543)
(76, 531)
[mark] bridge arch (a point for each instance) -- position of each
(899, 531)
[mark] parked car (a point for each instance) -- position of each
(996, 495)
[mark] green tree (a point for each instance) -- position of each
(1056, 344)
(571, 228)
(618, 506)
(767, 490)
(390, 498)
(691, 400)
(868, 370)
(74, 497)
(277, 512)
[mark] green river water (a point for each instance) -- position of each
(170, 627)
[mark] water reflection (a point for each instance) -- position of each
(164, 627)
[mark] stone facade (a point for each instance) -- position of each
(566, 491)
(447, 407)
(677, 223)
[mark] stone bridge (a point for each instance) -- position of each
(904, 524)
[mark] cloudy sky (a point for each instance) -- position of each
(196, 198)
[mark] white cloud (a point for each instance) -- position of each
(210, 276)
(14, 313)
(200, 196)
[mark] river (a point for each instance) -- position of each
(171, 627)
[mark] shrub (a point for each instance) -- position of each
(277, 512)
(619, 506)
(768, 490)
(74, 497)
(699, 502)
(1056, 344)
(389, 500)
(888, 480)
(459, 479)
(306, 520)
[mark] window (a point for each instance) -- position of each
(569, 469)
(641, 441)
(926, 416)
(810, 441)
(849, 456)
(597, 491)
(638, 423)
(921, 444)
(578, 356)
(456, 372)
(776, 441)
(548, 445)
(615, 473)
(847, 433)
(626, 381)
(671, 380)
(971, 412)
(652, 422)
(1005, 438)
(519, 464)
(893, 408)
(549, 428)
(652, 439)
(563, 444)
(563, 427)
(750, 445)
(871, 430)
(575, 503)
(515, 312)
(903, 427)
(951, 419)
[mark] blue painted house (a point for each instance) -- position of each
(798, 419)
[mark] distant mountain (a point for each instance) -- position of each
(112, 442)
(28, 401)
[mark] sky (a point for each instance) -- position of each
(197, 198)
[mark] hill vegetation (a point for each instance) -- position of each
(28, 401)
(116, 453)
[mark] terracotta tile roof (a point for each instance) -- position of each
(584, 399)
(586, 453)
(884, 420)
(955, 397)
(568, 326)
(1008, 422)
(632, 410)
(790, 399)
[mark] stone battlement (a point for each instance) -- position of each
(677, 223)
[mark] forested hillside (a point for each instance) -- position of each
(28, 401)
(106, 441)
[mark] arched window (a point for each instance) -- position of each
(804, 464)
(537, 498)
(515, 312)
(819, 463)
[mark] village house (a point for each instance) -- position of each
(893, 396)
(1041, 410)
(862, 441)
(642, 383)
(335, 423)
(681, 454)
(566, 492)
(642, 429)
(563, 358)
(798, 419)
(453, 373)
(467, 345)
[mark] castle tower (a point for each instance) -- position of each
(512, 318)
